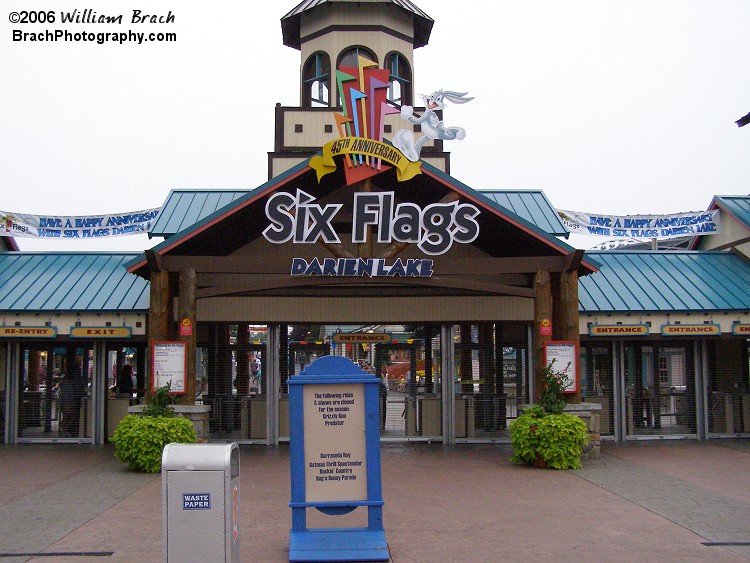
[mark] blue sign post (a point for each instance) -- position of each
(335, 461)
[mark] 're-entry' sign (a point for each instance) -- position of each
(28, 332)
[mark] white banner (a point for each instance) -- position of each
(82, 227)
(642, 226)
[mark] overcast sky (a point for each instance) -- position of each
(613, 107)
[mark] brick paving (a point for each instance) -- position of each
(685, 489)
(641, 501)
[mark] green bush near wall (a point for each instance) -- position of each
(140, 440)
(557, 438)
(544, 435)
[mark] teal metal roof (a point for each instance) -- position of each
(180, 212)
(532, 205)
(70, 281)
(185, 208)
(527, 224)
(737, 206)
(675, 281)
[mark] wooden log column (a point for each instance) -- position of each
(188, 329)
(565, 296)
(567, 302)
(159, 307)
(542, 311)
(159, 311)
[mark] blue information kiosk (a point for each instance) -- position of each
(335, 461)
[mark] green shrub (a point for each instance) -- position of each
(139, 440)
(544, 430)
(557, 438)
(551, 397)
(158, 401)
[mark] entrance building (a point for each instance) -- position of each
(69, 323)
(488, 365)
(456, 347)
(389, 261)
(664, 335)
(447, 293)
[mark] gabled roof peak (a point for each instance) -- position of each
(290, 23)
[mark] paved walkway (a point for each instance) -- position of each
(645, 501)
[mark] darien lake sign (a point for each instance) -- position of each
(359, 267)
(433, 229)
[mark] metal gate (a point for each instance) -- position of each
(477, 383)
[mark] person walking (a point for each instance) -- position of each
(125, 382)
(72, 390)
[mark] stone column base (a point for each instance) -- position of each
(197, 414)
(589, 413)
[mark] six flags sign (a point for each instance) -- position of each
(299, 219)
(363, 95)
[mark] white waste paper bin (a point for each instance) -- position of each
(200, 502)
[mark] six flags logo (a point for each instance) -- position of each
(8, 225)
(363, 96)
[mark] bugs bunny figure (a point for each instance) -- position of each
(432, 127)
